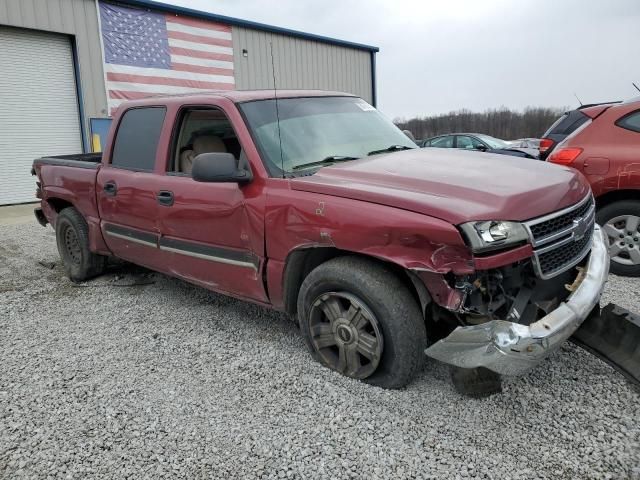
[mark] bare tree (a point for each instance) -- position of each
(500, 123)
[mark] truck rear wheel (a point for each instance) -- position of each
(621, 222)
(359, 319)
(72, 237)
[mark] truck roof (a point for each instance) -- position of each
(240, 96)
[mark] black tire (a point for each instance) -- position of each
(619, 210)
(475, 382)
(385, 302)
(72, 237)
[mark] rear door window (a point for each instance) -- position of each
(567, 124)
(137, 138)
(442, 142)
(554, 125)
(464, 141)
(630, 121)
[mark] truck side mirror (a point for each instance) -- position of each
(218, 167)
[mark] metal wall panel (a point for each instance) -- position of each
(299, 63)
(73, 17)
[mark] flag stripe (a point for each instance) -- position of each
(201, 62)
(180, 67)
(190, 37)
(215, 81)
(193, 22)
(124, 95)
(201, 47)
(177, 27)
(112, 70)
(198, 54)
(164, 89)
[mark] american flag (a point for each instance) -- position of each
(147, 53)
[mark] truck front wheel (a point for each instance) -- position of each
(359, 319)
(72, 237)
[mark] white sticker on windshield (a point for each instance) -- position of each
(365, 106)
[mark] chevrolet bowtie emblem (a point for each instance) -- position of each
(580, 227)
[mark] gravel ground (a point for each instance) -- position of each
(161, 379)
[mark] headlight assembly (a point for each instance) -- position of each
(493, 234)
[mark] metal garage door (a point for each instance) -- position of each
(38, 107)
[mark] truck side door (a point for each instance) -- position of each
(127, 185)
(211, 234)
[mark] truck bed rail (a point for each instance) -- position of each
(80, 160)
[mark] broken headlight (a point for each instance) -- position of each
(493, 234)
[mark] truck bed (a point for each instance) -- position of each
(68, 179)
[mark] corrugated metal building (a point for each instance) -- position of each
(57, 82)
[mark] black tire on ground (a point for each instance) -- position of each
(377, 303)
(475, 382)
(72, 237)
(619, 210)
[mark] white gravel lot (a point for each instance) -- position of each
(167, 380)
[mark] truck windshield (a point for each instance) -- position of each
(313, 129)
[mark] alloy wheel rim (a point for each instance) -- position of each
(346, 334)
(624, 239)
(72, 245)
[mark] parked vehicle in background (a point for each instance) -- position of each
(533, 143)
(568, 123)
(479, 142)
(313, 208)
(606, 149)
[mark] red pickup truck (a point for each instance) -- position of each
(315, 204)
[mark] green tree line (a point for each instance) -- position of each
(501, 123)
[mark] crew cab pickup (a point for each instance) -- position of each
(315, 204)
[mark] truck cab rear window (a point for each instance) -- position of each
(137, 138)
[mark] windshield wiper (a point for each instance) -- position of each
(327, 160)
(391, 148)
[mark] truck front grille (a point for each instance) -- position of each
(551, 226)
(562, 239)
(558, 259)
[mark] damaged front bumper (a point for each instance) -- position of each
(512, 349)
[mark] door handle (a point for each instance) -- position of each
(110, 188)
(165, 197)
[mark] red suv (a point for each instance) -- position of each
(606, 149)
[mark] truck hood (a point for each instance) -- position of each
(453, 185)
